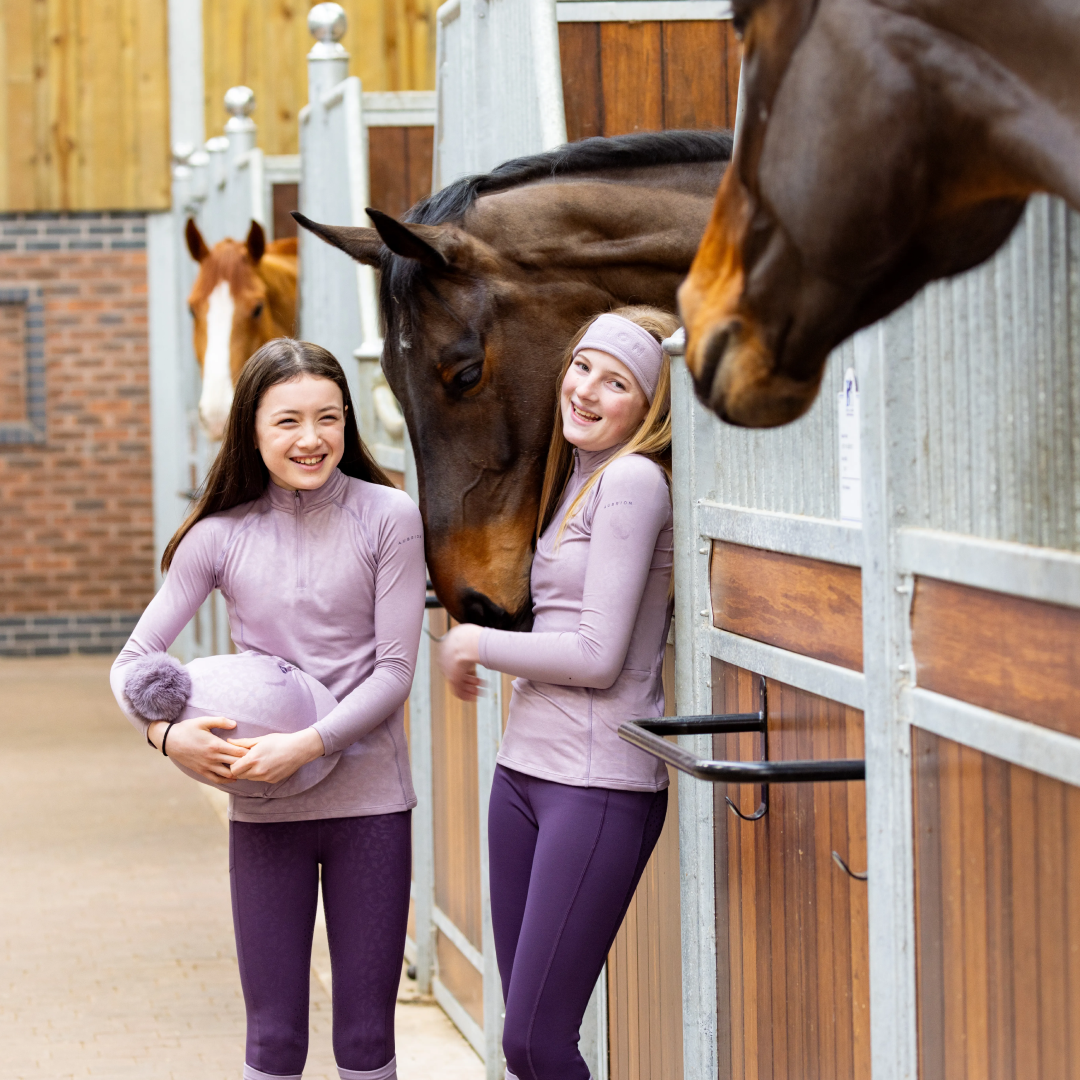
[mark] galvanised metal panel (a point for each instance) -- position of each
(997, 356)
(794, 469)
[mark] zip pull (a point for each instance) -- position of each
(296, 501)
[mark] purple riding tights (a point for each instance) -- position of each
(275, 870)
(564, 863)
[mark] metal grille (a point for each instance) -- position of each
(793, 469)
(997, 355)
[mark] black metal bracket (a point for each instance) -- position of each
(649, 736)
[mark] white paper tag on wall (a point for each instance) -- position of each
(850, 459)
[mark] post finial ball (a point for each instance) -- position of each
(327, 22)
(239, 101)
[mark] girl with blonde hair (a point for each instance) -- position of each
(575, 812)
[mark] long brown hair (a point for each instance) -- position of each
(238, 474)
(652, 439)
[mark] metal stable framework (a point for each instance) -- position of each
(968, 400)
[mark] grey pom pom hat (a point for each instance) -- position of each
(263, 694)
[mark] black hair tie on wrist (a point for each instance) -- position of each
(165, 737)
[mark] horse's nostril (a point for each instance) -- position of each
(711, 357)
(478, 608)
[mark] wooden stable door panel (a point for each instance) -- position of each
(804, 605)
(645, 963)
(455, 790)
(997, 877)
(620, 77)
(459, 976)
(1015, 656)
(399, 165)
(791, 926)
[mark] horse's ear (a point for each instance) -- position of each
(256, 242)
(363, 245)
(195, 242)
(419, 242)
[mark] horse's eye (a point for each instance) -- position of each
(257, 310)
(469, 377)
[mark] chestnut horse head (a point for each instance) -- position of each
(482, 287)
(885, 143)
(244, 295)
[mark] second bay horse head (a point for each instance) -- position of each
(482, 287)
(243, 297)
(885, 144)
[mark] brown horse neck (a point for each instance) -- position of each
(278, 273)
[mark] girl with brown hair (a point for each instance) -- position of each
(321, 564)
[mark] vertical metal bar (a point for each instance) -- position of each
(488, 735)
(423, 827)
(886, 371)
(694, 479)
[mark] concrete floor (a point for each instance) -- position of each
(116, 946)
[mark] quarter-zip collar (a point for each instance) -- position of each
(293, 502)
(586, 462)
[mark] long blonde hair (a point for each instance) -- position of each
(652, 439)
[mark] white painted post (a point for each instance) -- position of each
(488, 736)
(328, 61)
(420, 745)
(693, 480)
(885, 367)
(239, 128)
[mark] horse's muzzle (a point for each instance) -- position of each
(478, 608)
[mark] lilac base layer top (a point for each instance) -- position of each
(333, 581)
(601, 613)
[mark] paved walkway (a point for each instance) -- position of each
(116, 948)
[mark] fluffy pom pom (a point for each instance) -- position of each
(158, 686)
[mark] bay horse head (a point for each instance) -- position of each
(884, 144)
(243, 297)
(482, 287)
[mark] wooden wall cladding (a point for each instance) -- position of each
(645, 963)
(264, 44)
(457, 831)
(84, 105)
(1015, 656)
(648, 76)
(997, 876)
(791, 927)
(804, 605)
(399, 167)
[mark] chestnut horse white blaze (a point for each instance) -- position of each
(244, 296)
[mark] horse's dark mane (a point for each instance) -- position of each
(597, 154)
(401, 277)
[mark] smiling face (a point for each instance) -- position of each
(300, 432)
(601, 402)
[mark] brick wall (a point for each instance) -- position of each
(76, 528)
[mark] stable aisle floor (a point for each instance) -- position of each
(116, 949)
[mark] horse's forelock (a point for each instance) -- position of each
(228, 261)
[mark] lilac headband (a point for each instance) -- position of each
(631, 344)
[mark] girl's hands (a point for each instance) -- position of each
(191, 744)
(273, 758)
(459, 653)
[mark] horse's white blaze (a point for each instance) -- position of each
(217, 387)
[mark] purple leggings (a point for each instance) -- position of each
(275, 870)
(564, 863)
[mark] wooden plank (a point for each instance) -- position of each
(997, 931)
(387, 167)
(264, 44)
(645, 962)
(456, 803)
(460, 977)
(792, 937)
(1015, 656)
(583, 100)
(420, 150)
(694, 84)
(631, 77)
(805, 605)
(84, 98)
